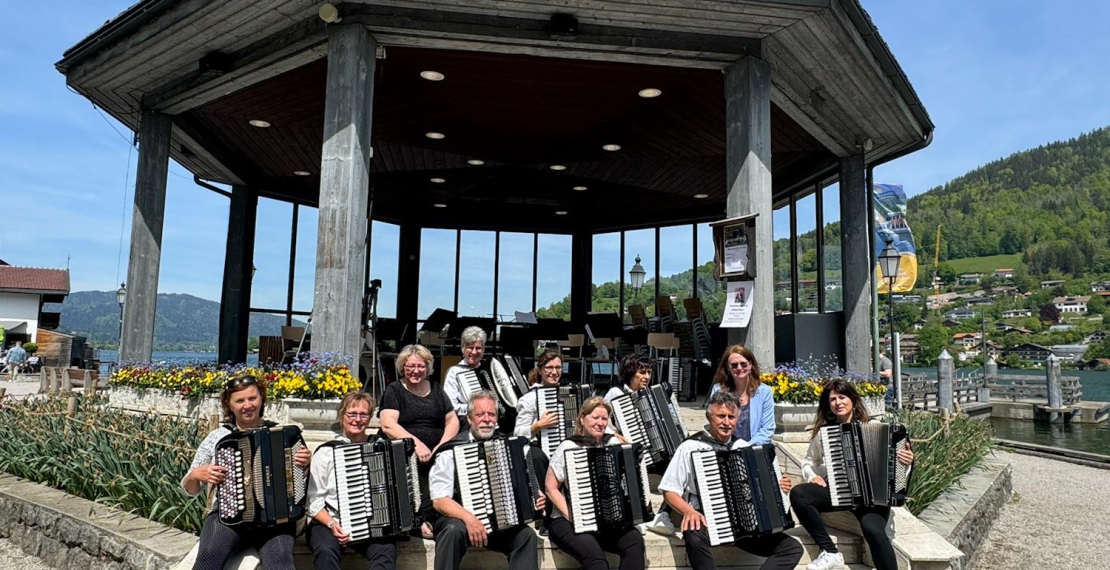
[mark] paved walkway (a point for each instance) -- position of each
(12, 558)
(1056, 519)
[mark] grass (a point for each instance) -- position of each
(129, 461)
(985, 265)
(942, 454)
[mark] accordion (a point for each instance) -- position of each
(497, 482)
(564, 402)
(503, 379)
(679, 373)
(646, 417)
(378, 488)
(607, 487)
(740, 494)
(263, 486)
(862, 464)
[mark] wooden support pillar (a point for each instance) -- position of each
(855, 256)
(344, 191)
(581, 276)
(408, 280)
(748, 156)
(235, 299)
(144, 261)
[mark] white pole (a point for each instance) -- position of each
(896, 360)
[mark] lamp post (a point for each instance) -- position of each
(637, 274)
(121, 298)
(888, 263)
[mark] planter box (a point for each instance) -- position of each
(310, 414)
(791, 418)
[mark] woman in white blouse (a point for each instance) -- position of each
(326, 537)
(547, 373)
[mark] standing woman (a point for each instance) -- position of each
(418, 408)
(588, 548)
(243, 401)
(326, 537)
(738, 373)
(840, 403)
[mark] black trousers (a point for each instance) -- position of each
(218, 542)
(781, 551)
(809, 500)
(589, 548)
(519, 544)
(327, 554)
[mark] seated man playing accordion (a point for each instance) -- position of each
(457, 528)
(680, 491)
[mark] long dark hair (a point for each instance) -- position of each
(241, 383)
(535, 375)
(825, 415)
(632, 364)
(724, 377)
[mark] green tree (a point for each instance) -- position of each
(930, 341)
(1097, 305)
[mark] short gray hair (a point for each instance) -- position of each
(482, 395)
(471, 335)
(723, 398)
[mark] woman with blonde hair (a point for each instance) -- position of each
(589, 548)
(738, 373)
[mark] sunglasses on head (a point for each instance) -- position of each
(240, 381)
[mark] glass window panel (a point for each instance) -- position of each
(437, 271)
(304, 283)
(606, 273)
(385, 241)
(806, 209)
(514, 279)
(640, 243)
(780, 228)
(271, 254)
(553, 282)
(676, 272)
(476, 273)
(834, 292)
(711, 291)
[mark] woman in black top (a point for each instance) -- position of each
(417, 407)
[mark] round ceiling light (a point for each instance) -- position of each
(557, 167)
(561, 213)
(441, 205)
(432, 75)
(611, 147)
(259, 123)
(580, 188)
(435, 136)
(438, 180)
(650, 93)
(475, 162)
(302, 173)
(701, 196)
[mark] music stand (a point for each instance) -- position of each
(517, 341)
(438, 319)
(552, 329)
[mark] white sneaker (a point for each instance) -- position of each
(827, 561)
(661, 524)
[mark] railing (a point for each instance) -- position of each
(1028, 387)
(921, 393)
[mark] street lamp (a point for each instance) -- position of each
(888, 263)
(121, 298)
(637, 274)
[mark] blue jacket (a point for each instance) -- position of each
(761, 412)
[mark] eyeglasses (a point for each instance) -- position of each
(357, 415)
(739, 365)
(474, 348)
(553, 368)
(240, 381)
(415, 367)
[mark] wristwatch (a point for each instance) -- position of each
(332, 523)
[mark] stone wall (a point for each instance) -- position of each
(70, 533)
(964, 513)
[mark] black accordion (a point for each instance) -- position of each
(378, 488)
(740, 494)
(645, 417)
(263, 486)
(607, 487)
(678, 372)
(862, 464)
(497, 483)
(564, 402)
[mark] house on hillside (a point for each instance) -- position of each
(1096, 337)
(1100, 286)
(919, 324)
(970, 279)
(961, 314)
(1017, 313)
(979, 301)
(1005, 328)
(1030, 352)
(1051, 284)
(1072, 304)
(1005, 291)
(23, 292)
(907, 299)
(1070, 352)
(908, 348)
(1004, 273)
(1061, 328)
(967, 340)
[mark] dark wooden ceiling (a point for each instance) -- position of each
(520, 115)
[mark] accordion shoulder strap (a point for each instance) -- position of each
(584, 440)
(704, 437)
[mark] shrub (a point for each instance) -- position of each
(942, 453)
(30, 347)
(129, 461)
(802, 383)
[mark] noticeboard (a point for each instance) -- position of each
(734, 247)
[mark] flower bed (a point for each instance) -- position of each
(797, 389)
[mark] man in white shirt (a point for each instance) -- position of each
(457, 528)
(679, 489)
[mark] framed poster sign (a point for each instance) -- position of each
(734, 247)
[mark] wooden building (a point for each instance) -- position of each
(500, 115)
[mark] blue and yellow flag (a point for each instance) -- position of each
(891, 225)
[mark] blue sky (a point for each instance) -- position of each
(996, 76)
